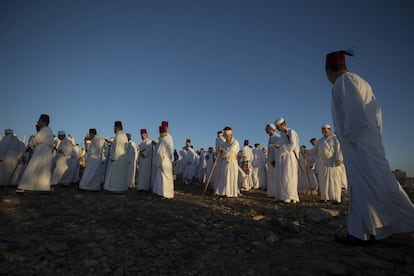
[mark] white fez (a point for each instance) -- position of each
(279, 121)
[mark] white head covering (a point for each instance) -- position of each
(61, 132)
(272, 126)
(279, 121)
(326, 126)
(8, 131)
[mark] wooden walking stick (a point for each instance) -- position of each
(211, 172)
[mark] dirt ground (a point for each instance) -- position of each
(72, 232)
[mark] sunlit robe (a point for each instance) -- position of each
(91, 178)
(164, 179)
(188, 165)
(11, 148)
(116, 178)
(36, 176)
(145, 169)
(246, 181)
(218, 174)
(331, 177)
(378, 205)
(230, 186)
(288, 169)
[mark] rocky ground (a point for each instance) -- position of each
(70, 232)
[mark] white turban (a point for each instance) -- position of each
(272, 126)
(279, 121)
(326, 126)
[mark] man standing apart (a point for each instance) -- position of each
(288, 150)
(116, 179)
(36, 176)
(378, 206)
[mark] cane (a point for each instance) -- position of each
(211, 173)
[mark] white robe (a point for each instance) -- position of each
(230, 186)
(246, 183)
(116, 179)
(189, 165)
(273, 164)
(132, 154)
(91, 178)
(307, 179)
(10, 150)
(218, 174)
(164, 179)
(62, 171)
(259, 170)
(378, 205)
(287, 186)
(36, 176)
(331, 177)
(145, 168)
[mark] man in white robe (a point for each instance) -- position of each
(378, 206)
(330, 160)
(36, 176)
(91, 179)
(116, 179)
(64, 153)
(11, 149)
(259, 168)
(307, 182)
(163, 177)
(288, 150)
(209, 163)
(132, 154)
(188, 162)
(273, 162)
(229, 151)
(202, 166)
(145, 158)
(247, 158)
(218, 174)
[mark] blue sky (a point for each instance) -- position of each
(201, 65)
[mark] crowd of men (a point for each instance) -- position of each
(354, 156)
(118, 164)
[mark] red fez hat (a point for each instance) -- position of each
(246, 142)
(163, 129)
(227, 128)
(164, 123)
(337, 58)
(143, 130)
(188, 140)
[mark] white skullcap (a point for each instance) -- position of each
(8, 131)
(61, 132)
(326, 126)
(272, 126)
(279, 121)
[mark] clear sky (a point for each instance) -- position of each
(201, 65)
